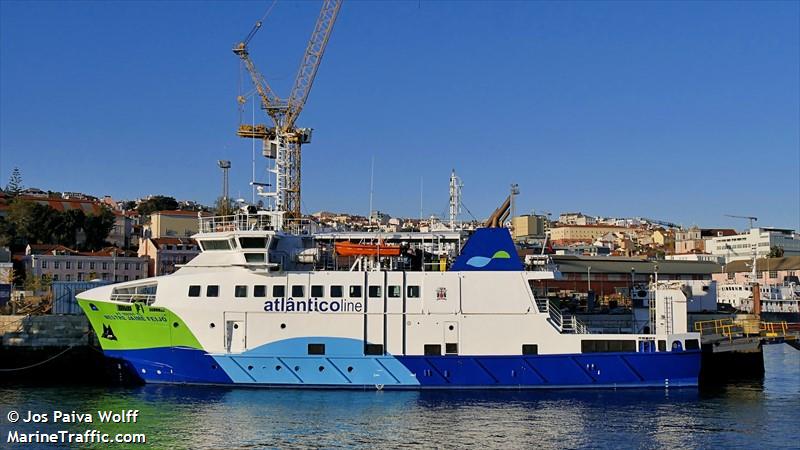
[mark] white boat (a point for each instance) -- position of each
(260, 306)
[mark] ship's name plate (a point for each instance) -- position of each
(337, 305)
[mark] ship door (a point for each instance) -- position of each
(451, 338)
(235, 332)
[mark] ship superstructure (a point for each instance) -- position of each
(267, 303)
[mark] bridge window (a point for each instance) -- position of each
(412, 291)
(240, 291)
(253, 242)
(298, 291)
(194, 291)
(215, 244)
(375, 292)
(212, 291)
(395, 291)
(259, 290)
(337, 291)
(279, 291)
(355, 291)
(317, 291)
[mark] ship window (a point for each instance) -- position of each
(451, 349)
(375, 292)
(355, 291)
(662, 345)
(279, 291)
(395, 291)
(194, 291)
(530, 349)
(298, 291)
(373, 349)
(316, 349)
(240, 291)
(255, 257)
(259, 290)
(337, 291)
(433, 349)
(212, 291)
(413, 292)
(215, 244)
(692, 344)
(603, 346)
(253, 242)
(317, 291)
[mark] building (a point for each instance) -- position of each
(572, 234)
(166, 253)
(121, 234)
(694, 239)
(577, 218)
(740, 246)
(617, 277)
(59, 263)
(529, 226)
(768, 270)
(179, 224)
(696, 256)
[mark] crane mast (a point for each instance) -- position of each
(283, 140)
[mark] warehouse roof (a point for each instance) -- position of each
(606, 264)
(764, 264)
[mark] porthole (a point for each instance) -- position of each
(175, 324)
(213, 366)
(236, 326)
(249, 367)
(283, 325)
(450, 328)
(296, 368)
(277, 367)
(350, 369)
(211, 325)
(321, 368)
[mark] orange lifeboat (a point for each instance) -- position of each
(352, 249)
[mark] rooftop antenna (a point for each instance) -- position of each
(371, 186)
(455, 198)
(225, 165)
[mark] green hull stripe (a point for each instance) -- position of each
(136, 326)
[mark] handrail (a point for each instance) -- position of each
(148, 299)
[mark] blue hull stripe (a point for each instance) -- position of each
(182, 365)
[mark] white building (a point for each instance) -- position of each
(740, 246)
(59, 263)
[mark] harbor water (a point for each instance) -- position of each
(745, 414)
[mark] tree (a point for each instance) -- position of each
(14, 186)
(776, 251)
(157, 203)
(97, 228)
(222, 207)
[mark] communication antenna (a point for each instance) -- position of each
(225, 165)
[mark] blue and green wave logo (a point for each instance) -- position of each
(482, 261)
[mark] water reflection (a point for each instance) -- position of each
(754, 414)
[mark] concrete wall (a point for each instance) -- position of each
(45, 331)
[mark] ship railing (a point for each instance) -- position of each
(240, 222)
(563, 323)
(300, 226)
(147, 299)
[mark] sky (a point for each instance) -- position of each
(676, 111)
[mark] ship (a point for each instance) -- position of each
(263, 305)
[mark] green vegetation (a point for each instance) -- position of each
(33, 223)
(14, 186)
(157, 203)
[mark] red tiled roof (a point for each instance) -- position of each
(40, 249)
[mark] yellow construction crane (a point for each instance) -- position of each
(283, 140)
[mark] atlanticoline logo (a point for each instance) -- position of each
(482, 261)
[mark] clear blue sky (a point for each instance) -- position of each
(683, 111)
